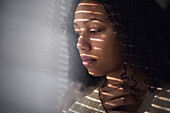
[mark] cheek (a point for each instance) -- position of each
(110, 60)
(116, 59)
(114, 53)
(111, 55)
(98, 48)
(107, 49)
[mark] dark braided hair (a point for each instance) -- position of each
(140, 23)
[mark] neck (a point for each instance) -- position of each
(114, 78)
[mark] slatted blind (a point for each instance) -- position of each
(33, 55)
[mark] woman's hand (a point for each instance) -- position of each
(117, 99)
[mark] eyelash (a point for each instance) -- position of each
(92, 31)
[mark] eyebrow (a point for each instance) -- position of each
(85, 21)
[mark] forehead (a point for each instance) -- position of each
(87, 9)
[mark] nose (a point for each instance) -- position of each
(83, 44)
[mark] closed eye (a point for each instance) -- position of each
(93, 31)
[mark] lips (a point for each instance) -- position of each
(88, 60)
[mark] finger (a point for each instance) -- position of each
(107, 93)
(112, 88)
(117, 93)
(114, 80)
(113, 95)
(105, 97)
(127, 108)
(109, 88)
(123, 101)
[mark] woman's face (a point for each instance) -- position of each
(96, 42)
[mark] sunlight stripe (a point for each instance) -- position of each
(160, 107)
(162, 98)
(89, 55)
(82, 11)
(97, 48)
(89, 107)
(93, 99)
(98, 40)
(146, 112)
(114, 79)
(73, 111)
(159, 88)
(168, 90)
(90, 4)
(96, 91)
(80, 20)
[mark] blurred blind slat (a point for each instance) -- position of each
(33, 55)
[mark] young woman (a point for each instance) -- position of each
(125, 42)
